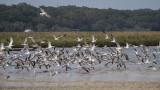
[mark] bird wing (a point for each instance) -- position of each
(113, 39)
(111, 35)
(54, 36)
(118, 46)
(1, 46)
(126, 56)
(104, 32)
(32, 39)
(78, 39)
(93, 38)
(106, 36)
(47, 15)
(25, 41)
(11, 41)
(62, 36)
(42, 10)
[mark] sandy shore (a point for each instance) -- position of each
(84, 85)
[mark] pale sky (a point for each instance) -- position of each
(101, 4)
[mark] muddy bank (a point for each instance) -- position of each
(85, 85)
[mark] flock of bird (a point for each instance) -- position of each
(84, 57)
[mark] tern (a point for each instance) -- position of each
(32, 38)
(93, 39)
(10, 43)
(27, 51)
(79, 39)
(113, 39)
(106, 35)
(127, 45)
(57, 38)
(118, 46)
(153, 68)
(78, 45)
(92, 47)
(49, 45)
(7, 77)
(25, 42)
(147, 59)
(44, 13)
(1, 47)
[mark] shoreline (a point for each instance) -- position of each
(84, 85)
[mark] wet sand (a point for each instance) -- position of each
(85, 85)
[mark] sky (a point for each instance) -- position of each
(101, 4)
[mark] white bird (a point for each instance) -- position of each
(127, 45)
(113, 39)
(1, 52)
(49, 45)
(27, 52)
(2, 46)
(28, 30)
(52, 73)
(43, 41)
(79, 39)
(118, 46)
(10, 43)
(78, 45)
(86, 45)
(147, 59)
(92, 47)
(44, 13)
(159, 44)
(136, 51)
(25, 42)
(74, 49)
(57, 38)
(32, 38)
(93, 39)
(153, 68)
(106, 35)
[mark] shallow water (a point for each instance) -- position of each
(133, 72)
(78, 75)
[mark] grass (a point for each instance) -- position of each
(135, 38)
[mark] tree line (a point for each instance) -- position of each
(17, 18)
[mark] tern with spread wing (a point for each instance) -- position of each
(79, 39)
(106, 35)
(57, 38)
(93, 39)
(44, 13)
(10, 43)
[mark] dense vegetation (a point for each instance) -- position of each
(22, 16)
(134, 38)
